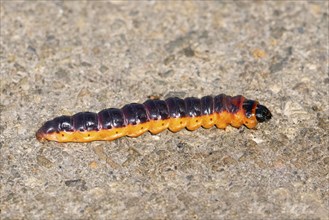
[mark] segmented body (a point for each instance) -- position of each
(155, 116)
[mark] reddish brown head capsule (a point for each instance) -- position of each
(155, 116)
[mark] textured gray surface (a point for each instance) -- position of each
(61, 58)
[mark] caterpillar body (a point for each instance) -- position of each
(155, 116)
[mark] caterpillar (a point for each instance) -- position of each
(155, 116)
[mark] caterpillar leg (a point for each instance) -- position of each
(194, 123)
(156, 126)
(177, 124)
(136, 130)
(208, 121)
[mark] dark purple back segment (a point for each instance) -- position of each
(207, 105)
(156, 109)
(176, 107)
(85, 121)
(220, 103)
(111, 118)
(82, 121)
(134, 113)
(64, 123)
(193, 106)
(49, 127)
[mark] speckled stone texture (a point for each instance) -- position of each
(64, 57)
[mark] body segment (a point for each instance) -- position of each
(155, 116)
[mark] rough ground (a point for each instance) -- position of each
(65, 57)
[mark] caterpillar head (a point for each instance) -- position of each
(262, 113)
(254, 109)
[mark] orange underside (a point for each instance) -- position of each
(221, 120)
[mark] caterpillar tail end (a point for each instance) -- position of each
(40, 135)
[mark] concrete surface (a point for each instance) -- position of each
(65, 57)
